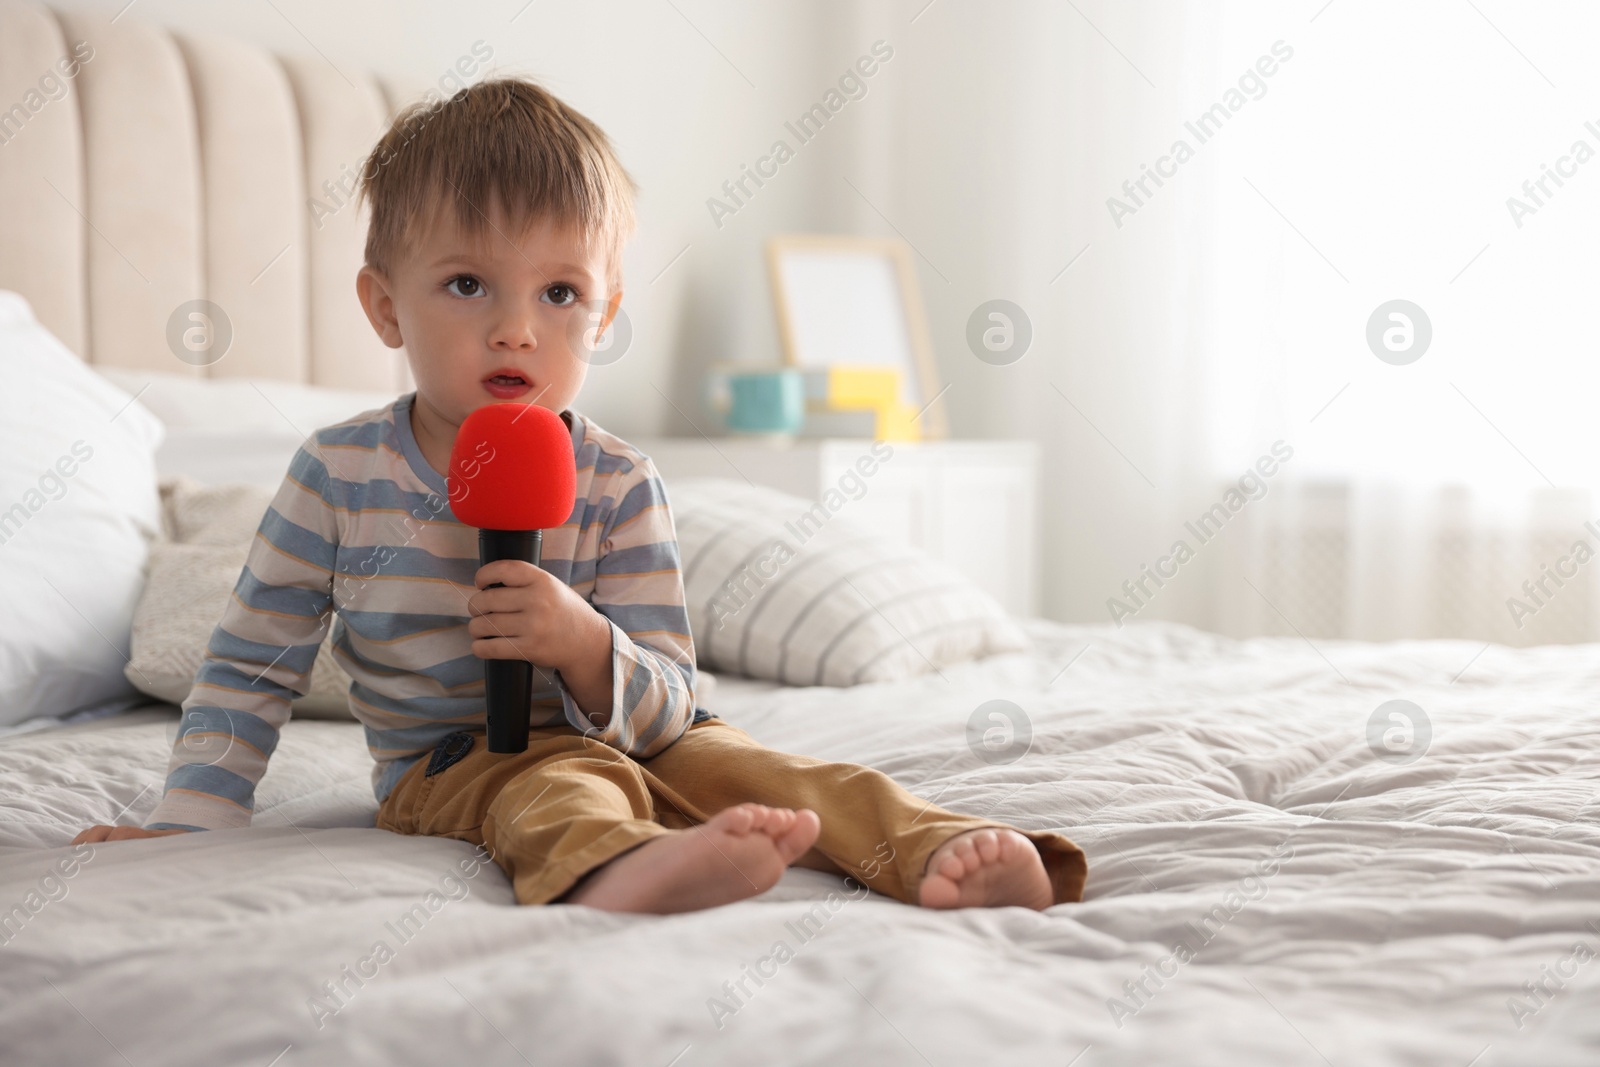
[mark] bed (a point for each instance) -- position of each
(1371, 911)
(1270, 881)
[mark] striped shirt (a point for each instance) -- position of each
(361, 534)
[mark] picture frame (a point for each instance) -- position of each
(843, 299)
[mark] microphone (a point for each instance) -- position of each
(512, 475)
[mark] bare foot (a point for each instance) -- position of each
(989, 867)
(740, 852)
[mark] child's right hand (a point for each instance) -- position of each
(96, 834)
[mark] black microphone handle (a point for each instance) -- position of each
(508, 683)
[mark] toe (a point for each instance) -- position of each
(800, 835)
(742, 818)
(960, 848)
(938, 893)
(953, 863)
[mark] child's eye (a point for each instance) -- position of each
(561, 294)
(468, 285)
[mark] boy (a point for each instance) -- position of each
(498, 219)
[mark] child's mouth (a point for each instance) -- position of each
(506, 385)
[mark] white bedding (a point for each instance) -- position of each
(1412, 903)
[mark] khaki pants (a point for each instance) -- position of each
(568, 804)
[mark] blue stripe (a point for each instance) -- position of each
(365, 434)
(604, 463)
(635, 618)
(203, 778)
(385, 494)
(586, 514)
(387, 625)
(646, 494)
(284, 599)
(297, 540)
(677, 701)
(462, 670)
(309, 470)
(638, 682)
(451, 673)
(252, 729)
(359, 563)
(656, 556)
(424, 709)
(226, 646)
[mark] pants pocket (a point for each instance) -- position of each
(401, 810)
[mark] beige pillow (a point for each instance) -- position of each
(192, 569)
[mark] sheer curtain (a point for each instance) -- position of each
(1216, 361)
(1444, 493)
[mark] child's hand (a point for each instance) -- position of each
(96, 834)
(535, 617)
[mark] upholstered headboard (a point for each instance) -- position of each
(142, 169)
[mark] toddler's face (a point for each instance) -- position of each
(492, 321)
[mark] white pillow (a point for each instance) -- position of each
(78, 503)
(227, 457)
(232, 431)
(183, 401)
(830, 603)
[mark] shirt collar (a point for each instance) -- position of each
(419, 464)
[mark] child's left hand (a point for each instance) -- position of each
(535, 617)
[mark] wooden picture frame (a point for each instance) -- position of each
(855, 300)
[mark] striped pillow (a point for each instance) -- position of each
(779, 589)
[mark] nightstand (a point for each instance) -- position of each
(969, 503)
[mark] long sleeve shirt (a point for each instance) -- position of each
(360, 536)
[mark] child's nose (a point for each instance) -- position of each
(514, 331)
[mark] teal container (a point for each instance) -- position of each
(766, 402)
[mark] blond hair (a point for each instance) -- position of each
(504, 139)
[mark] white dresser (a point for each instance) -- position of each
(970, 503)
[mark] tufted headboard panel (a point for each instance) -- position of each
(142, 169)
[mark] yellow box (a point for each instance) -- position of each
(895, 423)
(851, 388)
(891, 422)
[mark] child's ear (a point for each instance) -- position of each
(372, 286)
(612, 305)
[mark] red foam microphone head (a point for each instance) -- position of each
(512, 469)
